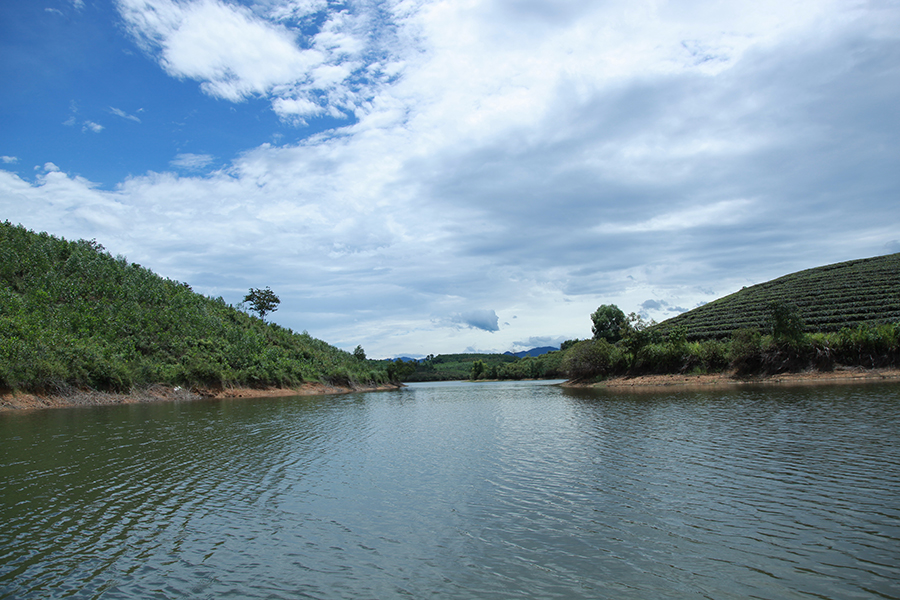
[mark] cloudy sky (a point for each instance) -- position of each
(434, 176)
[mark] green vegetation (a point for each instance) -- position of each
(827, 299)
(610, 323)
(73, 316)
(262, 302)
(452, 367)
(846, 314)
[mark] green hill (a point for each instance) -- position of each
(828, 298)
(73, 316)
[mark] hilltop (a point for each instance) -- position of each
(827, 298)
(73, 318)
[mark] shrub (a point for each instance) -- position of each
(713, 355)
(592, 358)
(745, 350)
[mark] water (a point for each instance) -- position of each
(495, 490)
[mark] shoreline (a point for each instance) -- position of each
(17, 401)
(839, 376)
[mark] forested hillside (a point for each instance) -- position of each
(827, 298)
(73, 316)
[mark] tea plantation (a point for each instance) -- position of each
(828, 298)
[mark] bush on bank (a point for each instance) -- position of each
(747, 352)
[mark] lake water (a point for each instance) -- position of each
(459, 490)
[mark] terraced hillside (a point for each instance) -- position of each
(828, 298)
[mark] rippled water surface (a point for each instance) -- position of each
(496, 490)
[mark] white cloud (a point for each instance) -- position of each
(9, 160)
(192, 162)
(538, 158)
(719, 214)
(486, 320)
(236, 53)
(92, 126)
(121, 113)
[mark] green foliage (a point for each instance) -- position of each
(610, 323)
(591, 359)
(826, 299)
(262, 302)
(745, 350)
(637, 334)
(478, 369)
(568, 344)
(456, 367)
(71, 315)
(400, 370)
(842, 314)
(359, 353)
(748, 352)
(785, 321)
(712, 355)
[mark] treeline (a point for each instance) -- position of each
(73, 316)
(628, 346)
(454, 367)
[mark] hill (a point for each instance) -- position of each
(828, 298)
(74, 317)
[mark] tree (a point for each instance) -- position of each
(478, 369)
(610, 323)
(262, 302)
(568, 344)
(399, 370)
(785, 321)
(359, 353)
(591, 358)
(638, 333)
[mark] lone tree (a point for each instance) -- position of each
(610, 323)
(359, 353)
(262, 301)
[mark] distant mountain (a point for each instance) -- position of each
(405, 359)
(532, 352)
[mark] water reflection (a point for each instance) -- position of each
(463, 491)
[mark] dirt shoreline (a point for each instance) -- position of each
(12, 401)
(654, 382)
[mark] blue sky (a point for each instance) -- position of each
(423, 176)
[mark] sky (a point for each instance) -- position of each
(425, 177)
